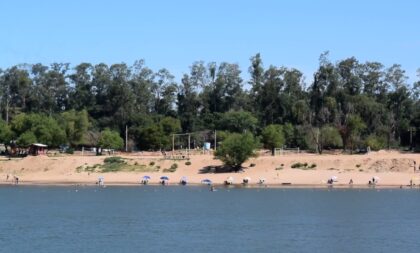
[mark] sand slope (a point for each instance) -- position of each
(393, 169)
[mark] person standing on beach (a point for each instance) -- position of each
(7, 177)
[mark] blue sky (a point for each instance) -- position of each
(173, 34)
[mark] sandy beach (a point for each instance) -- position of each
(392, 169)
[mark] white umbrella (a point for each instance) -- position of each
(334, 178)
(229, 180)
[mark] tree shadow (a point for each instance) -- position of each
(219, 169)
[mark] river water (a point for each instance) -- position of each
(193, 219)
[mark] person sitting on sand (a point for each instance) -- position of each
(351, 181)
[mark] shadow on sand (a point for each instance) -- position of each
(219, 169)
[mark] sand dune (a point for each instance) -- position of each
(392, 168)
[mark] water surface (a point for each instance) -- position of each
(193, 219)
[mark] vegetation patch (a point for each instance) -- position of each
(172, 168)
(115, 164)
(280, 168)
(358, 165)
(252, 165)
(303, 166)
(188, 163)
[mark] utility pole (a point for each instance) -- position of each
(126, 138)
(173, 144)
(215, 140)
(411, 137)
(189, 144)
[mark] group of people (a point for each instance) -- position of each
(415, 166)
(15, 179)
(374, 181)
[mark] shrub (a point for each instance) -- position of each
(236, 149)
(151, 163)
(296, 165)
(114, 159)
(70, 151)
(252, 165)
(303, 166)
(172, 168)
(375, 143)
(188, 163)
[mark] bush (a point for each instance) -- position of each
(303, 166)
(151, 163)
(114, 159)
(188, 163)
(252, 165)
(375, 143)
(172, 168)
(296, 165)
(70, 151)
(236, 149)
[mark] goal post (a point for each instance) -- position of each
(284, 151)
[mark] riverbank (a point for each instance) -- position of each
(391, 169)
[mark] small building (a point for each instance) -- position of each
(37, 149)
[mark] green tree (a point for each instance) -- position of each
(330, 137)
(110, 140)
(157, 136)
(6, 133)
(26, 139)
(76, 125)
(45, 129)
(238, 122)
(236, 149)
(273, 137)
(352, 130)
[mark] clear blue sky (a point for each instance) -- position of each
(173, 34)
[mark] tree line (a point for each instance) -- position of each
(348, 104)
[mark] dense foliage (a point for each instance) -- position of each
(347, 104)
(237, 149)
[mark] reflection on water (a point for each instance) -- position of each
(193, 219)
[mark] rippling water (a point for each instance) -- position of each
(193, 219)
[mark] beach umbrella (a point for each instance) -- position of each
(146, 177)
(334, 178)
(101, 178)
(262, 180)
(229, 180)
(206, 181)
(164, 178)
(247, 179)
(376, 178)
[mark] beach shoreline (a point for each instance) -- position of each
(392, 169)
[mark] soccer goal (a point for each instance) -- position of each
(284, 151)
